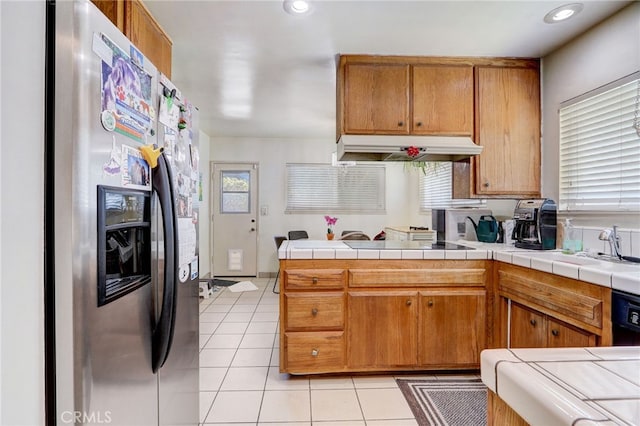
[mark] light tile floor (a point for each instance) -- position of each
(240, 382)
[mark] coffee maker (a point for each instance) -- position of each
(535, 224)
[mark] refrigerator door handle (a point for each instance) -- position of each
(163, 332)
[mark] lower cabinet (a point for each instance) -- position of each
(532, 329)
(538, 310)
(436, 328)
(366, 315)
(452, 328)
(383, 329)
(314, 352)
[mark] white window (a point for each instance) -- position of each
(435, 188)
(600, 149)
(322, 188)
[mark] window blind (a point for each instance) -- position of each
(435, 188)
(600, 150)
(322, 188)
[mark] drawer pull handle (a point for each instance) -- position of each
(430, 303)
(314, 352)
(555, 333)
(314, 280)
(314, 312)
(400, 123)
(533, 322)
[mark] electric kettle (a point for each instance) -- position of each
(486, 229)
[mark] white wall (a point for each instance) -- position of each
(21, 213)
(204, 227)
(605, 53)
(272, 155)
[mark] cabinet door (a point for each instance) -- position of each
(528, 328)
(112, 9)
(442, 99)
(147, 35)
(382, 329)
(376, 99)
(563, 335)
(508, 117)
(452, 327)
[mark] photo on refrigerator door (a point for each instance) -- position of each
(137, 173)
(126, 92)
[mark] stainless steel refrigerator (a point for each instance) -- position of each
(122, 245)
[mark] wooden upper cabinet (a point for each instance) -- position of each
(112, 9)
(442, 99)
(376, 99)
(508, 127)
(147, 35)
(395, 96)
(136, 22)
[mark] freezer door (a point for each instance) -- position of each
(103, 353)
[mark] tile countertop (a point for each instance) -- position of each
(567, 386)
(619, 276)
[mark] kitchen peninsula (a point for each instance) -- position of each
(421, 307)
(383, 306)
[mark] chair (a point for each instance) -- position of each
(355, 236)
(298, 235)
(278, 239)
(349, 232)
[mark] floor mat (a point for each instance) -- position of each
(446, 402)
(222, 283)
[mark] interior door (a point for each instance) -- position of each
(235, 226)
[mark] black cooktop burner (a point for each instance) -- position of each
(403, 245)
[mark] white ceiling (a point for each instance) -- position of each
(255, 71)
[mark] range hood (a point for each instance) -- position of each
(394, 148)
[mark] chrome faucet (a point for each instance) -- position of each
(611, 235)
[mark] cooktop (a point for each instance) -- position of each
(403, 245)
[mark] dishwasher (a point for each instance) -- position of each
(625, 318)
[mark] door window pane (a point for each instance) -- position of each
(235, 192)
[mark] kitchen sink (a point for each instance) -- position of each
(606, 262)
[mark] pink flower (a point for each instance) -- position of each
(330, 222)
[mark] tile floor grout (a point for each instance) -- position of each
(226, 399)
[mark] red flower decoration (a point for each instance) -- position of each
(413, 151)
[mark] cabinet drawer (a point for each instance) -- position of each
(566, 299)
(312, 278)
(314, 311)
(314, 351)
(415, 277)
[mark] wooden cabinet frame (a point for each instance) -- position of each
(384, 321)
(579, 305)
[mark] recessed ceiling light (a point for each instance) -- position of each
(297, 7)
(563, 13)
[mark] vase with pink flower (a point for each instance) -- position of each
(330, 222)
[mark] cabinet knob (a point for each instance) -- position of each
(400, 123)
(314, 312)
(314, 280)
(533, 322)
(555, 333)
(486, 184)
(430, 303)
(408, 302)
(314, 352)
(419, 124)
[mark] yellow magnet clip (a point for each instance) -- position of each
(151, 154)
